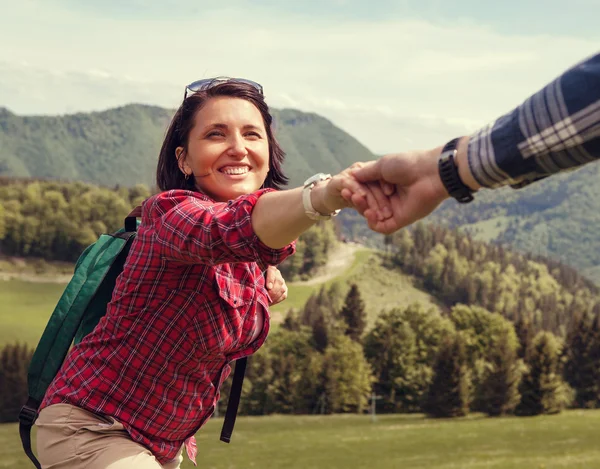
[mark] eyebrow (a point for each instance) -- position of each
(219, 125)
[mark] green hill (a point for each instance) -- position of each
(558, 217)
(28, 304)
(120, 146)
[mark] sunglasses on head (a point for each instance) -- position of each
(207, 83)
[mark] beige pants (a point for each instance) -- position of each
(72, 438)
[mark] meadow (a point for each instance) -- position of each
(343, 441)
(391, 442)
(26, 306)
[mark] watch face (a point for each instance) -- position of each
(316, 178)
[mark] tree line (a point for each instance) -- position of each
(515, 334)
(520, 287)
(324, 360)
(56, 221)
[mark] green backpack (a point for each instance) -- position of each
(78, 311)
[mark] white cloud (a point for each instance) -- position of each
(392, 84)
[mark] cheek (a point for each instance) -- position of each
(200, 156)
(265, 158)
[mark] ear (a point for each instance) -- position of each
(184, 167)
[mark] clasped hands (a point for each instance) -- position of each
(395, 190)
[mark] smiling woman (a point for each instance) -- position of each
(225, 124)
(193, 296)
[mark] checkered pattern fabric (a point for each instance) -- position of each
(556, 129)
(184, 307)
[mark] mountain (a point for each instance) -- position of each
(558, 217)
(121, 145)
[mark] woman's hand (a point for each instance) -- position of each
(418, 189)
(276, 287)
(327, 196)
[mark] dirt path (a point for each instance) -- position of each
(25, 277)
(340, 259)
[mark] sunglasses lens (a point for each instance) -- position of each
(207, 83)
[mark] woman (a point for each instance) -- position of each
(192, 295)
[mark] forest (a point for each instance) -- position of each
(513, 333)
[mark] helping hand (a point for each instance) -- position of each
(371, 195)
(418, 188)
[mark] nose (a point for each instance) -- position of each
(237, 147)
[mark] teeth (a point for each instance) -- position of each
(240, 170)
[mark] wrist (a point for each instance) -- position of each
(462, 163)
(318, 196)
(433, 171)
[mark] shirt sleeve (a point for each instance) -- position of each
(556, 129)
(193, 229)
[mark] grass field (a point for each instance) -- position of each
(26, 306)
(380, 288)
(568, 440)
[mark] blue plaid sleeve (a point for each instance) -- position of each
(556, 129)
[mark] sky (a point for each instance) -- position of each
(395, 74)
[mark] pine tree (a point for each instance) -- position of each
(320, 333)
(448, 394)
(292, 321)
(525, 334)
(348, 376)
(354, 315)
(500, 388)
(310, 310)
(582, 353)
(542, 388)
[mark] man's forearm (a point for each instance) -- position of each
(557, 128)
(462, 161)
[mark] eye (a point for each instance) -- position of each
(215, 133)
(253, 134)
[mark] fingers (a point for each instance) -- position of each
(368, 172)
(381, 199)
(276, 286)
(279, 297)
(272, 272)
(370, 196)
(387, 188)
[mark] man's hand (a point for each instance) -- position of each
(276, 287)
(418, 188)
(327, 196)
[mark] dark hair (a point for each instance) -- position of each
(168, 174)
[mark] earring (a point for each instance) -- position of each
(187, 176)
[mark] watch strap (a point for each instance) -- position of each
(309, 210)
(449, 174)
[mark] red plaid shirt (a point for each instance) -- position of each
(184, 307)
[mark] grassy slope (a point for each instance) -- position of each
(393, 441)
(26, 307)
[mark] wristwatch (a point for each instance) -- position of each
(309, 210)
(449, 174)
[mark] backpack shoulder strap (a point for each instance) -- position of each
(27, 417)
(90, 270)
(234, 399)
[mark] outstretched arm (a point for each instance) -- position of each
(554, 130)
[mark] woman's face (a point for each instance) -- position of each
(228, 150)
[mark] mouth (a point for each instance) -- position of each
(235, 170)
